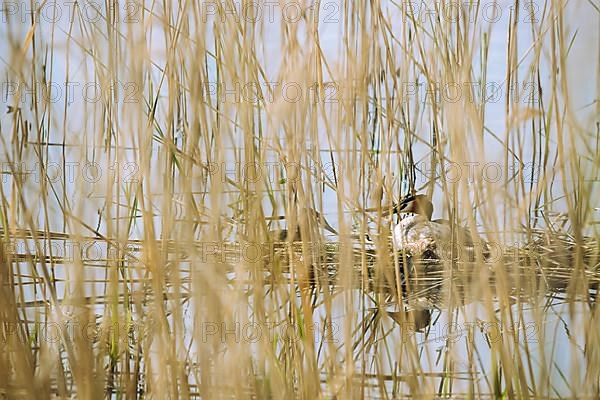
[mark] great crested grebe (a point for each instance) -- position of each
(282, 235)
(421, 237)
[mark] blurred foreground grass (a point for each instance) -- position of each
(153, 152)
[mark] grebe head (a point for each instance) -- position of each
(282, 235)
(417, 204)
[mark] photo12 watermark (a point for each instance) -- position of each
(248, 333)
(17, 93)
(263, 12)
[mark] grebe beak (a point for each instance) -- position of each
(328, 227)
(386, 209)
(321, 219)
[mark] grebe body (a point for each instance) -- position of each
(421, 237)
